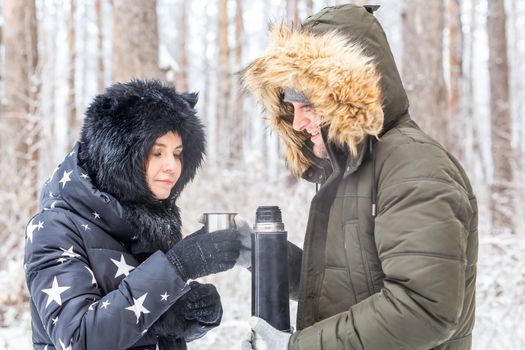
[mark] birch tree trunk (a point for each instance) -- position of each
(292, 11)
(73, 122)
(423, 24)
(474, 158)
(456, 127)
(1, 46)
(205, 95)
(135, 40)
(100, 46)
(223, 98)
(309, 7)
(502, 202)
(517, 91)
(181, 81)
(236, 149)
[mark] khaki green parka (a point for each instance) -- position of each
(390, 250)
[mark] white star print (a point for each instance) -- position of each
(64, 346)
(51, 195)
(91, 306)
(65, 178)
(93, 280)
(137, 308)
(54, 292)
(123, 267)
(31, 228)
(70, 154)
(84, 176)
(86, 227)
(61, 260)
(53, 204)
(45, 347)
(55, 320)
(96, 215)
(164, 296)
(105, 304)
(69, 252)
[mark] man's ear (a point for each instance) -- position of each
(191, 98)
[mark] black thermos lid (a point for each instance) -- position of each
(268, 214)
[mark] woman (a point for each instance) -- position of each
(105, 262)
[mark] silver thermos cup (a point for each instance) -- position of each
(218, 221)
(270, 296)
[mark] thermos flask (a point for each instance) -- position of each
(270, 296)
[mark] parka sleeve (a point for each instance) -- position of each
(74, 312)
(295, 256)
(421, 237)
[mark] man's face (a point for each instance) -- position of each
(304, 118)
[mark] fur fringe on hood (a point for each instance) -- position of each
(336, 76)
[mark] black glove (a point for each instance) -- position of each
(203, 303)
(171, 327)
(193, 315)
(172, 323)
(201, 254)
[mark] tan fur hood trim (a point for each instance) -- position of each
(335, 75)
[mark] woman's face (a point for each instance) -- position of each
(164, 164)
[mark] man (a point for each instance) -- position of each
(390, 251)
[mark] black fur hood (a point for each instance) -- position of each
(120, 127)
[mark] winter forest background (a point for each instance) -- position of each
(462, 62)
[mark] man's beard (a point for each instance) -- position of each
(320, 151)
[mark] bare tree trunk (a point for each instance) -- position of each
(223, 98)
(423, 65)
(292, 11)
(236, 149)
(517, 52)
(85, 57)
(475, 158)
(502, 202)
(182, 75)
(1, 56)
(309, 7)
(456, 125)
(205, 96)
(19, 138)
(100, 46)
(73, 122)
(21, 92)
(135, 40)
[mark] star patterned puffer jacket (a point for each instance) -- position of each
(94, 260)
(87, 290)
